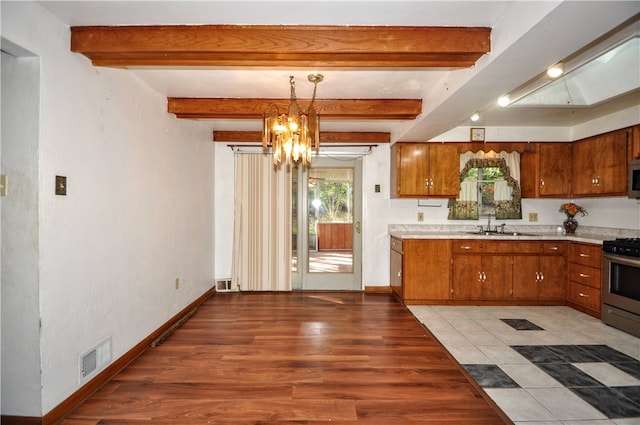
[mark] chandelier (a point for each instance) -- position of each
(294, 134)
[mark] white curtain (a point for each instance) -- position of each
(468, 190)
(262, 224)
(501, 190)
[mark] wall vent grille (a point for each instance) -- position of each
(89, 363)
(224, 285)
(94, 359)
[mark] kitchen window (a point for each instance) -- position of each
(489, 184)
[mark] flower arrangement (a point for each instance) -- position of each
(571, 209)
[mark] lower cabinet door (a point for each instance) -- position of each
(526, 276)
(467, 277)
(498, 277)
(553, 277)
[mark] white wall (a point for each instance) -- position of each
(20, 238)
(138, 212)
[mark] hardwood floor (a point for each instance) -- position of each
(293, 358)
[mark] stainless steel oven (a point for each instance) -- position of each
(621, 284)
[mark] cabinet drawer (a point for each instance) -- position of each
(588, 255)
(558, 248)
(467, 246)
(511, 247)
(589, 276)
(584, 295)
(396, 244)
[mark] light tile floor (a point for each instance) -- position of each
(517, 367)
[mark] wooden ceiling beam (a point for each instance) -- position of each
(282, 46)
(327, 137)
(333, 109)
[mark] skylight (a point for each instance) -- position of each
(611, 74)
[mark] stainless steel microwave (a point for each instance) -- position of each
(634, 179)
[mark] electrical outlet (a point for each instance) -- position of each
(177, 282)
(533, 216)
(3, 185)
(420, 216)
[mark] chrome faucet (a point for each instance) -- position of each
(489, 222)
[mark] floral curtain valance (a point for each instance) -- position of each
(507, 194)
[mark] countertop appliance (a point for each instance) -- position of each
(634, 179)
(620, 296)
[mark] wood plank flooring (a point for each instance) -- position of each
(293, 358)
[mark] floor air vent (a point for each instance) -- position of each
(224, 285)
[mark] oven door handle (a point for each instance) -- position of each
(620, 259)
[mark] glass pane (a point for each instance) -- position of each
(330, 220)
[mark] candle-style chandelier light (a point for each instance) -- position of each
(292, 136)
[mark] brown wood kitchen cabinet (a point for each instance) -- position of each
(482, 270)
(600, 165)
(422, 170)
(545, 173)
(541, 276)
(423, 272)
(583, 292)
(488, 270)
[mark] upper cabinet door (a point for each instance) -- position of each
(422, 170)
(444, 170)
(546, 173)
(411, 169)
(554, 173)
(600, 165)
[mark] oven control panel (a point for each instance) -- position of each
(629, 247)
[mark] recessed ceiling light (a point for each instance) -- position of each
(475, 117)
(556, 70)
(503, 100)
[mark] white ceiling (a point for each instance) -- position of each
(527, 37)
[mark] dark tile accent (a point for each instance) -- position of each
(569, 375)
(538, 354)
(573, 353)
(607, 354)
(608, 401)
(632, 368)
(522, 325)
(632, 393)
(490, 376)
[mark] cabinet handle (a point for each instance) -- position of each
(541, 277)
(583, 275)
(484, 277)
(583, 295)
(400, 274)
(537, 277)
(431, 182)
(426, 183)
(583, 255)
(480, 277)
(541, 183)
(467, 247)
(553, 248)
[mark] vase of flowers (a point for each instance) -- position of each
(571, 210)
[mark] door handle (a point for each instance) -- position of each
(358, 226)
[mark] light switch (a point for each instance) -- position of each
(61, 185)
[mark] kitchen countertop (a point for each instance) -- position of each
(592, 235)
